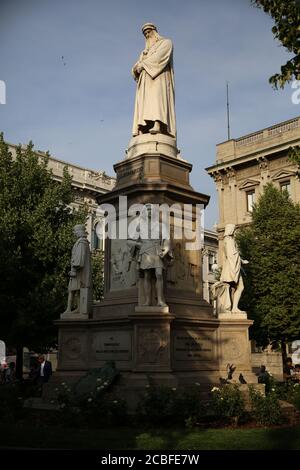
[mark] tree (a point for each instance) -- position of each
(286, 15)
(294, 155)
(98, 274)
(36, 224)
(272, 288)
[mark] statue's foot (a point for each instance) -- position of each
(237, 310)
(162, 304)
(155, 129)
(66, 312)
(146, 304)
(76, 310)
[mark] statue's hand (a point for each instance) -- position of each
(163, 253)
(245, 261)
(72, 273)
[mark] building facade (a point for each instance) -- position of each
(87, 185)
(245, 165)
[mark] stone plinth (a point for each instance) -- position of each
(178, 345)
(173, 349)
(233, 315)
(74, 316)
(159, 144)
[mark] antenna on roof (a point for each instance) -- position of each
(228, 116)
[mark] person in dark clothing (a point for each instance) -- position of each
(45, 369)
(44, 373)
(288, 369)
(264, 378)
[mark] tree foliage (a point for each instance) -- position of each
(36, 239)
(286, 15)
(272, 245)
(98, 275)
(294, 155)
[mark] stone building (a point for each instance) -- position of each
(244, 165)
(87, 185)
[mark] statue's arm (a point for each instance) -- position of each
(155, 63)
(78, 259)
(137, 68)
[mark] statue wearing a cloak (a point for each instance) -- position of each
(155, 98)
(80, 283)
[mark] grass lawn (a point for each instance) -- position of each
(138, 438)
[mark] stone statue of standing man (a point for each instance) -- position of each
(229, 289)
(80, 283)
(154, 110)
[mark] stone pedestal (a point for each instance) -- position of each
(159, 144)
(151, 328)
(177, 345)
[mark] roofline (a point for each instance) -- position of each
(44, 154)
(259, 130)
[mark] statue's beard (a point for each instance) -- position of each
(152, 40)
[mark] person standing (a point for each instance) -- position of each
(44, 371)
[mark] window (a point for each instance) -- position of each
(250, 195)
(286, 186)
(211, 261)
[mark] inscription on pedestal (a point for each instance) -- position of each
(193, 345)
(113, 346)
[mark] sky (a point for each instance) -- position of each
(67, 69)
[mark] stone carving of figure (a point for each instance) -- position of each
(152, 255)
(229, 289)
(80, 283)
(155, 97)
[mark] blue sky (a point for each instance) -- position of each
(80, 107)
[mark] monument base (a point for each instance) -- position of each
(74, 316)
(152, 144)
(175, 350)
(233, 315)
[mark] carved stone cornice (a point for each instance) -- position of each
(263, 163)
(230, 172)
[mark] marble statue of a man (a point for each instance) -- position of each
(154, 110)
(80, 274)
(231, 276)
(151, 256)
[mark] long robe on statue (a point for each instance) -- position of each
(232, 260)
(81, 263)
(155, 95)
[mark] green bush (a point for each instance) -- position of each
(265, 409)
(11, 402)
(157, 405)
(169, 406)
(228, 402)
(295, 396)
(99, 408)
(289, 391)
